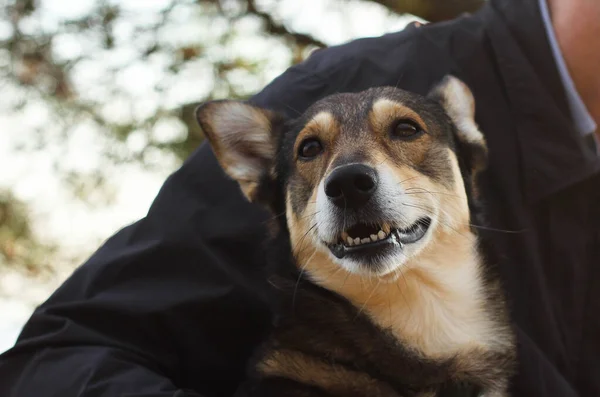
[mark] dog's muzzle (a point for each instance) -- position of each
(365, 233)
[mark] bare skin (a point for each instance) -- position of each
(577, 28)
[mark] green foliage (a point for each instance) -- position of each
(131, 77)
(46, 64)
(18, 245)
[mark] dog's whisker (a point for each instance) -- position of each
(410, 191)
(493, 229)
(291, 108)
(299, 277)
(405, 281)
(390, 307)
(273, 217)
(373, 289)
(309, 215)
(430, 212)
(299, 245)
(346, 279)
(482, 227)
(408, 179)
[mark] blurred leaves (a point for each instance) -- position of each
(124, 80)
(18, 245)
(37, 63)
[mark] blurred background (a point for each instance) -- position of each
(96, 101)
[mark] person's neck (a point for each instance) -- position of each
(577, 28)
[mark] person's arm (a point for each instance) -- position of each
(173, 302)
(170, 303)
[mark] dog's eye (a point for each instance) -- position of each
(310, 148)
(404, 129)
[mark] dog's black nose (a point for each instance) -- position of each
(351, 186)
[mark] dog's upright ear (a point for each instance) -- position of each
(243, 138)
(458, 102)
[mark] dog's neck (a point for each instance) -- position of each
(436, 303)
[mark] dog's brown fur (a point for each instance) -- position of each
(419, 324)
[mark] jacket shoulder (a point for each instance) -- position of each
(404, 59)
(415, 43)
(324, 62)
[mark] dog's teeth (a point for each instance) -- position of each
(345, 236)
(374, 237)
(381, 234)
(357, 240)
(350, 241)
(386, 229)
(365, 240)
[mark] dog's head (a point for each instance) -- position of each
(368, 181)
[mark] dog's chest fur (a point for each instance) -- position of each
(439, 308)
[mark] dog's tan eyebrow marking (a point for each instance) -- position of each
(323, 124)
(385, 111)
(323, 121)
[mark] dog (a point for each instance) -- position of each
(379, 283)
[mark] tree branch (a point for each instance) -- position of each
(432, 10)
(275, 28)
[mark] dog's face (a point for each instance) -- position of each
(370, 180)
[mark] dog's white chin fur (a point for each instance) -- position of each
(390, 264)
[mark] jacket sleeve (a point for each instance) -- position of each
(169, 303)
(173, 302)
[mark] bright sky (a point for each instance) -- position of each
(78, 227)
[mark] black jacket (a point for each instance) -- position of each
(174, 304)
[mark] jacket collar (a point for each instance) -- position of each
(553, 154)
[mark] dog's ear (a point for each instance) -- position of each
(458, 102)
(243, 138)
